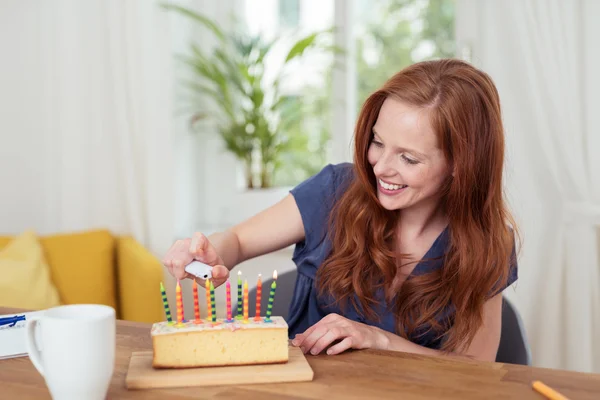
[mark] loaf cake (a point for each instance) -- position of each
(208, 344)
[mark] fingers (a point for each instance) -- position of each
(312, 338)
(298, 339)
(329, 337)
(202, 250)
(177, 258)
(330, 329)
(197, 247)
(220, 275)
(301, 337)
(179, 270)
(342, 346)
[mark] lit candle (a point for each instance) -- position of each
(213, 307)
(239, 302)
(179, 303)
(196, 305)
(246, 301)
(271, 297)
(165, 303)
(208, 305)
(228, 300)
(258, 297)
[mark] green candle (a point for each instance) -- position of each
(165, 303)
(239, 301)
(213, 307)
(271, 297)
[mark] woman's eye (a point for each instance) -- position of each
(376, 143)
(409, 160)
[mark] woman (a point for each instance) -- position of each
(409, 247)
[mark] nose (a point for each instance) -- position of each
(384, 165)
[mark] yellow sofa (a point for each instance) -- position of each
(100, 268)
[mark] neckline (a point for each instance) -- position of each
(428, 259)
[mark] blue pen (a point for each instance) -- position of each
(11, 321)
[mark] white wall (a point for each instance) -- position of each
(484, 31)
(22, 140)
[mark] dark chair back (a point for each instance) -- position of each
(514, 347)
(283, 295)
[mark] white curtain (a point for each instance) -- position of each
(87, 118)
(542, 55)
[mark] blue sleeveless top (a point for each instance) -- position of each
(315, 198)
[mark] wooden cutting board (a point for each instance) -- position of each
(141, 374)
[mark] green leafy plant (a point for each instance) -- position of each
(257, 122)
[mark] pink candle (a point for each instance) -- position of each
(228, 293)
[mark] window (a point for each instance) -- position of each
(392, 34)
(308, 86)
(387, 36)
(289, 13)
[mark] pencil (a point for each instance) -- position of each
(548, 391)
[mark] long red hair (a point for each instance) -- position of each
(465, 113)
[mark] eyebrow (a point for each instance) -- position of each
(418, 153)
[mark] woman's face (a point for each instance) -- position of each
(407, 162)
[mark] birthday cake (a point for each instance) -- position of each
(220, 343)
(211, 342)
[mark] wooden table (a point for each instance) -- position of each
(358, 374)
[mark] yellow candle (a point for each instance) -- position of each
(246, 301)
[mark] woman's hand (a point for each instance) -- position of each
(334, 327)
(198, 247)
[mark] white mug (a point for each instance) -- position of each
(78, 350)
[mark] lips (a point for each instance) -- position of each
(390, 186)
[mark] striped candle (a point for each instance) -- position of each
(208, 305)
(165, 303)
(271, 297)
(246, 301)
(213, 307)
(258, 297)
(228, 300)
(196, 305)
(239, 301)
(179, 303)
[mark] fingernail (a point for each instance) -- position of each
(329, 352)
(193, 245)
(294, 342)
(314, 352)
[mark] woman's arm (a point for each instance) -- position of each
(356, 335)
(273, 229)
(276, 227)
(483, 347)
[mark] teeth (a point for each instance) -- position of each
(390, 187)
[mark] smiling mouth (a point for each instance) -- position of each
(390, 186)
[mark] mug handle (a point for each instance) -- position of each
(34, 352)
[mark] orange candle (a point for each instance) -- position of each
(179, 303)
(208, 308)
(258, 297)
(246, 301)
(196, 305)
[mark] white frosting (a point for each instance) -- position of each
(164, 327)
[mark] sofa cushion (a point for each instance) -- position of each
(83, 266)
(26, 280)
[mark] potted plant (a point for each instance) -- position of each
(257, 122)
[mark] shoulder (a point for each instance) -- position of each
(327, 184)
(316, 197)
